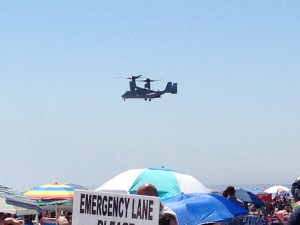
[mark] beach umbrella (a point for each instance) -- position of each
(13, 205)
(248, 197)
(169, 183)
(76, 186)
(199, 208)
(56, 205)
(266, 197)
(278, 190)
(7, 208)
(51, 192)
(259, 192)
(51, 196)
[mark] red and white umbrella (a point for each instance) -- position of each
(278, 190)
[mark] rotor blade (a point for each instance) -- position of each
(148, 80)
(134, 77)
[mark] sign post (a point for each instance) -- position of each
(110, 208)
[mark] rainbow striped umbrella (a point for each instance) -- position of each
(51, 192)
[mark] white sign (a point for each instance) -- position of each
(110, 208)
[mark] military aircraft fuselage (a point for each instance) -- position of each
(146, 93)
(143, 93)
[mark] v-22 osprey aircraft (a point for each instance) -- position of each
(145, 92)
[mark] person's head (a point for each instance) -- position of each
(167, 219)
(230, 190)
(52, 214)
(225, 194)
(148, 190)
(69, 215)
(27, 218)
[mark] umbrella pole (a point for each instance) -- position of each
(56, 213)
(37, 218)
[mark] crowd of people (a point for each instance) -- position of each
(8, 219)
(276, 212)
(64, 218)
(279, 211)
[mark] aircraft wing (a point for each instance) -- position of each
(154, 95)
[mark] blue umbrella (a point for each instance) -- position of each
(198, 208)
(248, 197)
(259, 192)
(76, 186)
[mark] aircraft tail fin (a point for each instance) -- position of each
(171, 88)
(174, 88)
(168, 88)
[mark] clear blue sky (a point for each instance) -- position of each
(235, 119)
